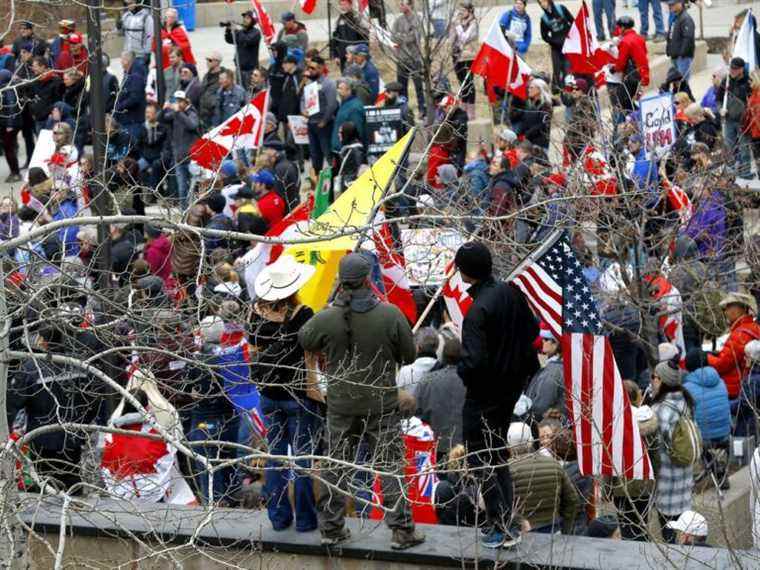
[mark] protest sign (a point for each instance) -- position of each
(43, 150)
(299, 128)
(311, 98)
(384, 128)
(658, 124)
(428, 251)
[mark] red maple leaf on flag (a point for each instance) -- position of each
(236, 127)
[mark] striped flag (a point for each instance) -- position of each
(606, 433)
(581, 49)
(392, 266)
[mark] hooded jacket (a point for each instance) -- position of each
(361, 368)
(711, 408)
(247, 41)
(158, 254)
(547, 389)
(497, 338)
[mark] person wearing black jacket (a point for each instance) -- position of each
(51, 393)
(10, 124)
(277, 77)
(681, 39)
(76, 96)
(246, 40)
(153, 144)
(556, 22)
(44, 93)
(289, 103)
(22, 75)
(497, 360)
(287, 177)
(736, 94)
(110, 85)
(27, 39)
(349, 31)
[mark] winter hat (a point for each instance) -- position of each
(666, 351)
(752, 350)
(602, 527)
(519, 434)
(228, 169)
(447, 173)
(696, 358)
(474, 260)
(353, 267)
(508, 135)
(669, 375)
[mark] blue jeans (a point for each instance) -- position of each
(737, 144)
(290, 423)
(606, 7)
(319, 144)
(182, 170)
(659, 26)
(212, 427)
(683, 65)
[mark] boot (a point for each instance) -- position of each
(403, 539)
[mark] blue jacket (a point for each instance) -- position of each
(230, 102)
(476, 174)
(514, 22)
(352, 110)
(130, 103)
(710, 101)
(372, 78)
(711, 410)
(68, 235)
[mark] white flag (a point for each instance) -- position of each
(745, 41)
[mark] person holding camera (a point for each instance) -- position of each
(246, 39)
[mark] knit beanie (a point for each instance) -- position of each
(669, 375)
(474, 260)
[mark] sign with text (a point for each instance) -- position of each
(428, 251)
(299, 128)
(384, 129)
(658, 124)
(311, 98)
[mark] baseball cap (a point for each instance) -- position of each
(263, 177)
(228, 169)
(361, 49)
(737, 63)
(215, 55)
(690, 522)
(180, 95)
(546, 334)
(244, 193)
(508, 135)
(519, 434)
(248, 13)
(291, 58)
(287, 17)
(75, 39)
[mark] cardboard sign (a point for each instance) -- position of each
(384, 128)
(658, 124)
(428, 251)
(311, 98)
(299, 128)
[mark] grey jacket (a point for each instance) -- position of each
(138, 31)
(547, 389)
(209, 97)
(185, 130)
(328, 101)
(406, 35)
(362, 380)
(440, 397)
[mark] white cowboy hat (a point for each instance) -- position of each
(281, 279)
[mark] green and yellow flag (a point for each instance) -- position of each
(351, 210)
(322, 193)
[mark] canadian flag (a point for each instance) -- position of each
(598, 172)
(243, 130)
(308, 5)
(455, 296)
(265, 22)
(581, 48)
(263, 254)
(500, 66)
(393, 271)
(679, 201)
(670, 307)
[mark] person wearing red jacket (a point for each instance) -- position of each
(632, 64)
(739, 310)
(76, 56)
(173, 34)
(270, 203)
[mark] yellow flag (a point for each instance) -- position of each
(351, 210)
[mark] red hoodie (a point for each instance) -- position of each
(633, 46)
(158, 254)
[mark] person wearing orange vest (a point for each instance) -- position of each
(739, 310)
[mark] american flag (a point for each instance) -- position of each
(606, 434)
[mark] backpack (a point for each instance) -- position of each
(685, 441)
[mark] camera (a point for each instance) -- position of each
(225, 24)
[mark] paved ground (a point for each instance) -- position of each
(205, 40)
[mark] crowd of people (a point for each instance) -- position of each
(467, 427)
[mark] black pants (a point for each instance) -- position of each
(61, 466)
(633, 514)
(485, 435)
(559, 69)
(9, 149)
(462, 69)
(27, 131)
(403, 73)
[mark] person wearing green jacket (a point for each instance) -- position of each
(351, 109)
(362, 341)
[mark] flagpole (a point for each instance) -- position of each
(509, 82)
